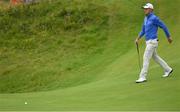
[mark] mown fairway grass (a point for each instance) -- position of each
(80, 55)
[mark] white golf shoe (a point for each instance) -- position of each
(140, 80)
(166, 74)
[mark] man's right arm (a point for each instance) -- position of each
(142, 31)
(140, 34)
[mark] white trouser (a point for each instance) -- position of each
(151, 52)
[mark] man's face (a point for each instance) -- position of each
(147, 11)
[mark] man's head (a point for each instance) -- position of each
(148, 8)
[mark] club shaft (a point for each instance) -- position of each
(138, 52)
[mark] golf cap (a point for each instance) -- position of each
(148, 6)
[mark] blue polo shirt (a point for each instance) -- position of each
(150, 27)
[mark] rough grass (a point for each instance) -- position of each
(42, 46)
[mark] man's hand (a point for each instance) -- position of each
(137, 40)
(170, 40)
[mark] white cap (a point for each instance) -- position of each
(148, 6)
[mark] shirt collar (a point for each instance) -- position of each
(150, 14)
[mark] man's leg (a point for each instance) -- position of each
(146, 60)
(161, 62)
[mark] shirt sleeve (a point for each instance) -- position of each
(159, 23)
(142, 31)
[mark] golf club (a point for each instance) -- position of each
(139, 60)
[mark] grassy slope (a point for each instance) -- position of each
(109, 75)
(49, 50)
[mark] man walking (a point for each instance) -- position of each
(149, 29)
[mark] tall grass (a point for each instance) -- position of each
(42, 44)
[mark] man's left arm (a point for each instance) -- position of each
(159, 23)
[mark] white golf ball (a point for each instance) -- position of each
(25, 103)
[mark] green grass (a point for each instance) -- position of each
(80, 55)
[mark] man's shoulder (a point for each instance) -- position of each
(154, 17)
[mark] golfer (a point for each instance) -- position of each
(149, 29)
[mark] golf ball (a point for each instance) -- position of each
(25, 103)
